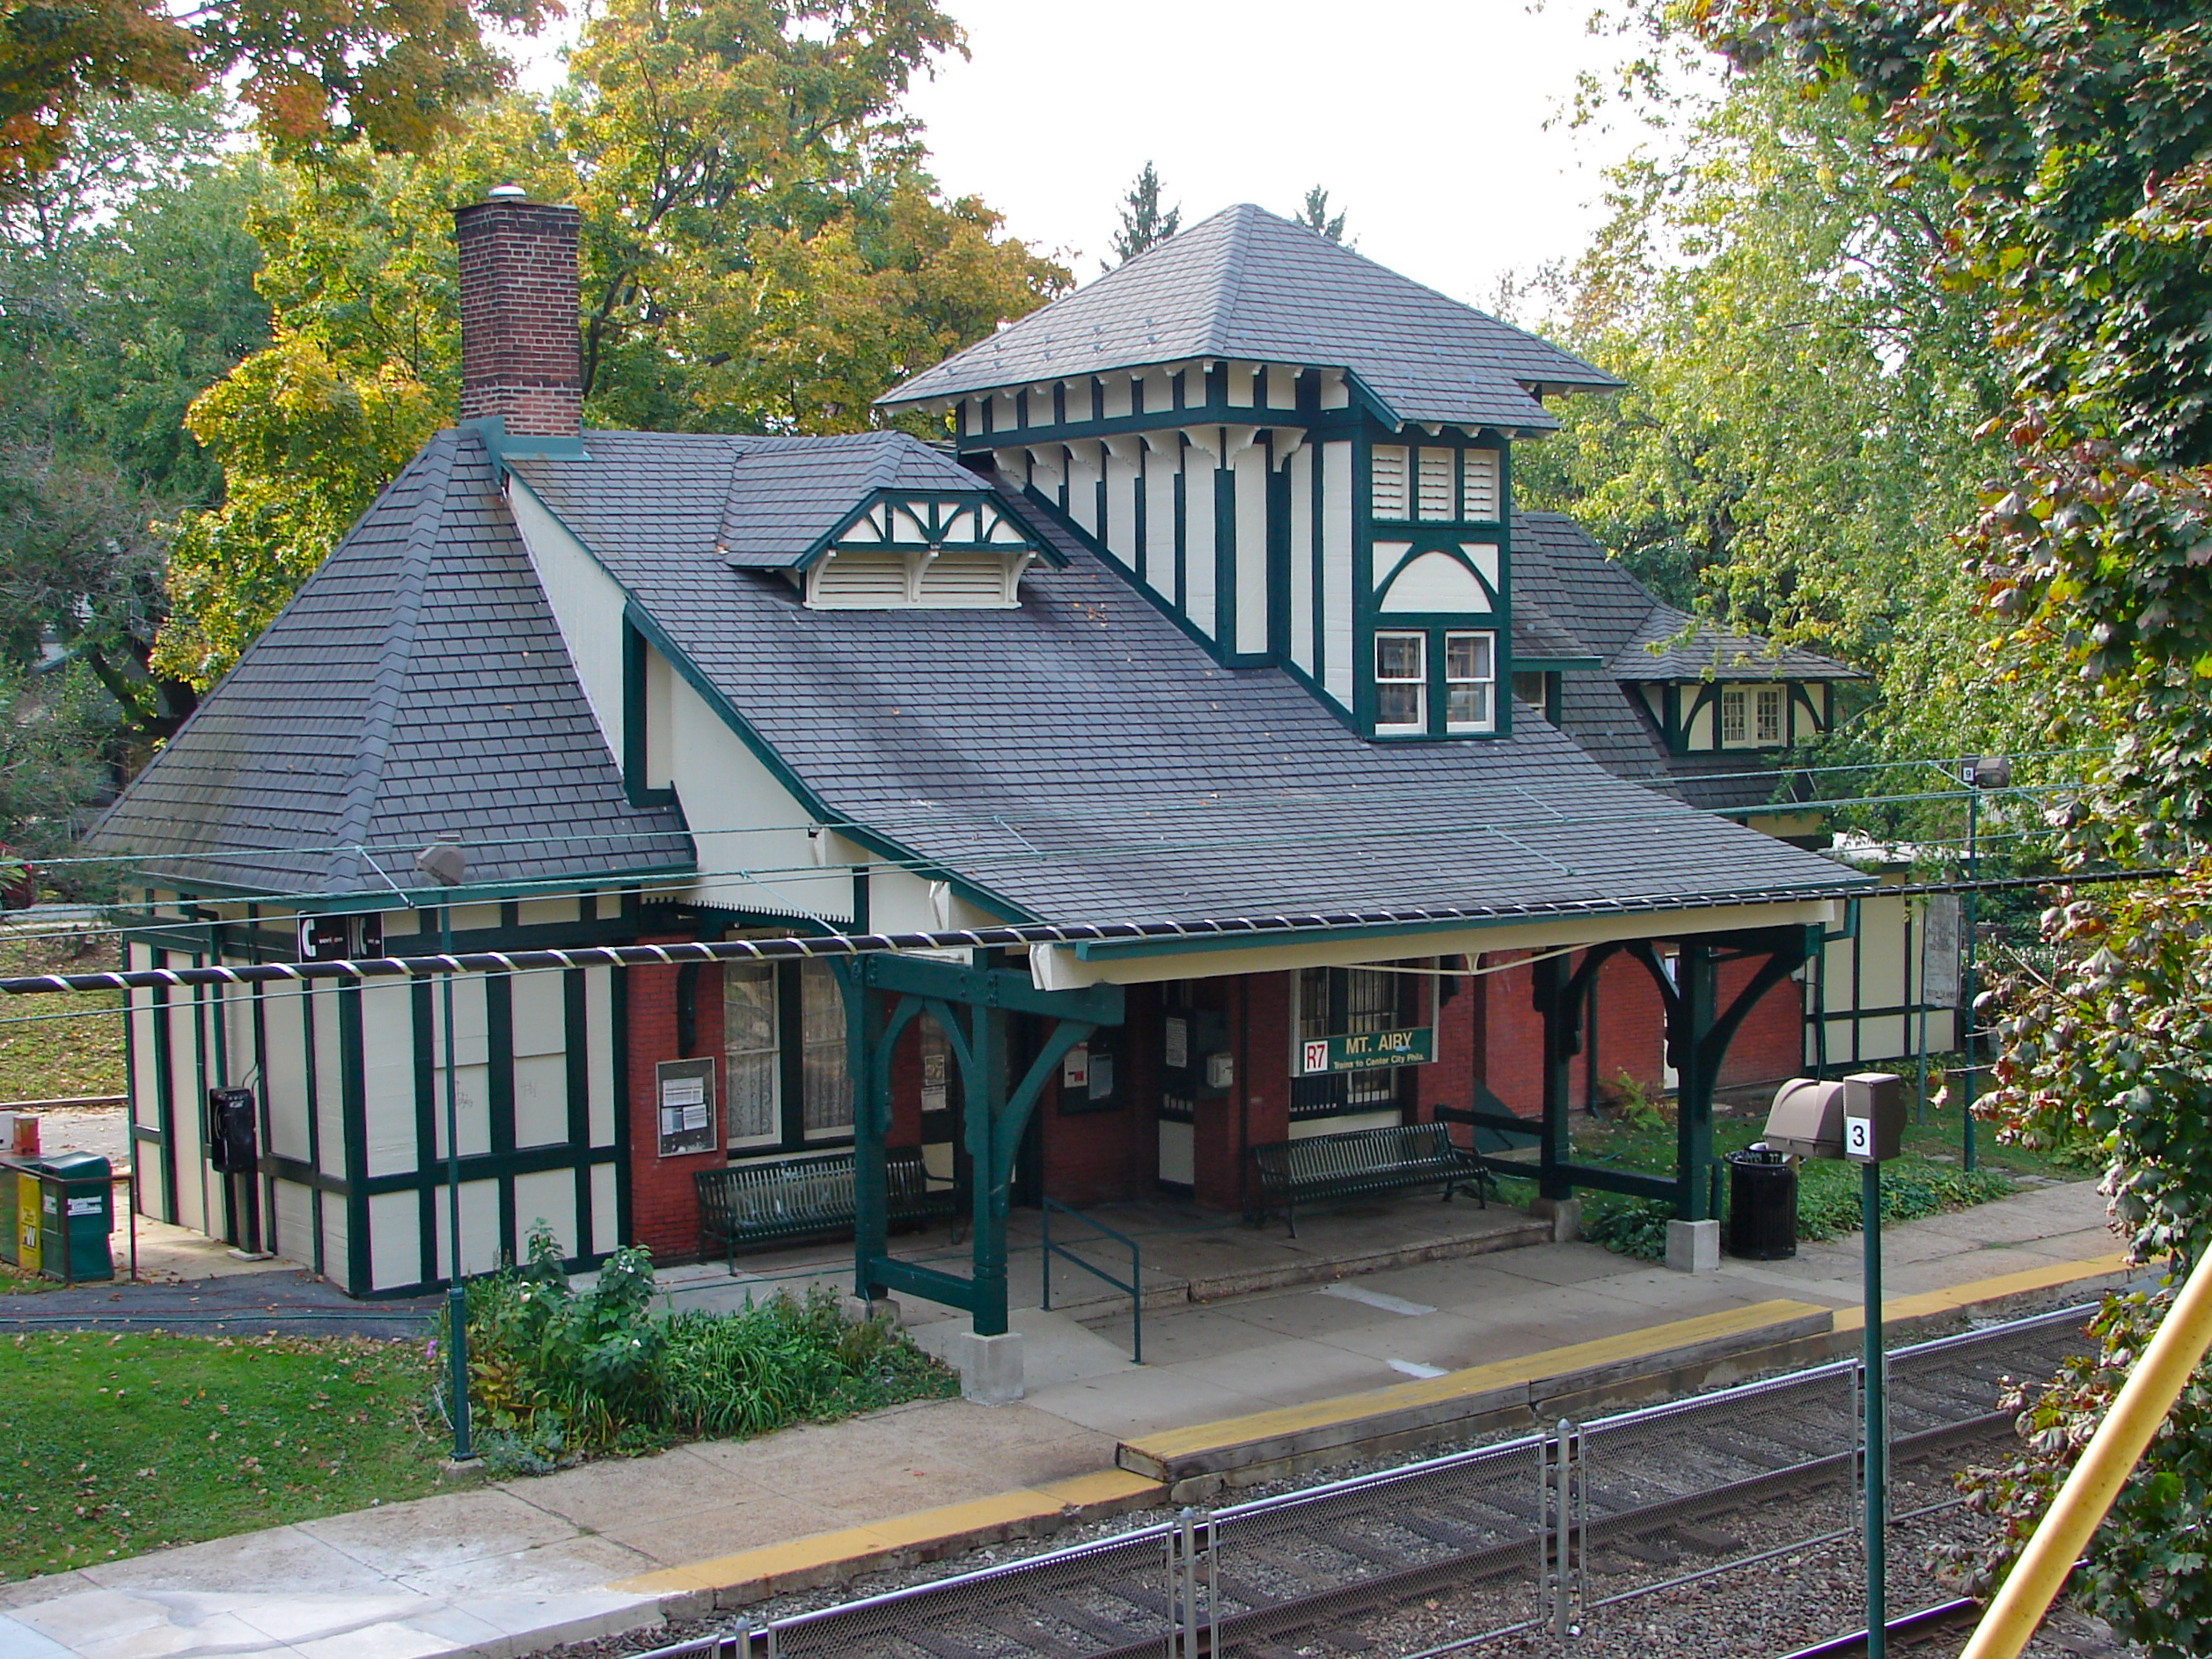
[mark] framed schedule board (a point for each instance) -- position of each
(685, 1091)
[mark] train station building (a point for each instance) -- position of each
(1209, 605)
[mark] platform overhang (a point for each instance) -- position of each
(1066, 967)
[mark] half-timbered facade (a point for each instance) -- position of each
(1215, 605)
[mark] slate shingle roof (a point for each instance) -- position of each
(755, 502)
(1247, 285)
(1558, 569)
(1081, 758)
(416, 682)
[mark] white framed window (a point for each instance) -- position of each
(1735, 723)
(1386, 478)
(1402, 682)
(1470, 682)
(752, 1090)
(1434, 484)
(1478, 485)
(1769, 714)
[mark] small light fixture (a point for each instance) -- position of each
(507, 193)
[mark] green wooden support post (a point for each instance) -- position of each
(1697, 1064)
(993, 1141)
(870, 1069)
(1554, 1149)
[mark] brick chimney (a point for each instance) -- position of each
(519, 356)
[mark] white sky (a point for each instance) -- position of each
(1426, 121)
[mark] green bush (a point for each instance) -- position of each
(556, 1374)
(1828, 1203)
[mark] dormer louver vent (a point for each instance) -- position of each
(930, 553)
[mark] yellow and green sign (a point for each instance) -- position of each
(1366, 1051)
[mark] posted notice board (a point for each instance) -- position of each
(685, 1089)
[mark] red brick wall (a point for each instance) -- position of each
(664, 1207)
(1769, 1044)
(519, 356)
(1512, 1049)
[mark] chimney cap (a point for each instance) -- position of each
(506, 193)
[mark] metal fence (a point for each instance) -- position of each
(1558, 1529)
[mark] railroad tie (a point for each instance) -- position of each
(1031, 1633)
(1077, 1617)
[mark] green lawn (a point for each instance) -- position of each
(47, 1059)
(115, 1445)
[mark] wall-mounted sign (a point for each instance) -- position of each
(1939, 932)
(686, 1101)
(1175, 1048)
(1075, 1069)
(1367, 1051)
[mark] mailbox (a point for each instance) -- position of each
(1873, 1116)
(1806, 1119)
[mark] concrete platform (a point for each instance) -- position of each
(508, 1569)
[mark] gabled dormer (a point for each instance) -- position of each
(1303, 457)
(946, 551)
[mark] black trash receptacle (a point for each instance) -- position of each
(1763, 1205)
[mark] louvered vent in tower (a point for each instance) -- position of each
(1478, 485)
(862, 582)
(1436, 484)
(1388, 468)
(964, 580)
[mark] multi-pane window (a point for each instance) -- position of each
(785, 1077)
(1769, 714)
(825, 1082)
(1345, 1003)
(1402, 682)
(1735, 725)
(752, 1090)
(1470, 682)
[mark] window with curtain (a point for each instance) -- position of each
(751, 1086)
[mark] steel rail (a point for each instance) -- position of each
(1013, 1591)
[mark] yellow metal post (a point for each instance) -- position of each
(2143, 1401)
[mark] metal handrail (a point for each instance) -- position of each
(1135, 1287)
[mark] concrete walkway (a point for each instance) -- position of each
(510, 1568)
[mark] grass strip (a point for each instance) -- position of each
(113, 1445)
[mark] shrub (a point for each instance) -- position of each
(556, 1374)
(1828, 1203)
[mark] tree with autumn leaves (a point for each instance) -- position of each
(763, 250)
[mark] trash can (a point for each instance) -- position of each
(76, 1194)
(1762, 1204)
(20, 1176)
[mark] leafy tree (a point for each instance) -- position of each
(2068, 140)
(762, 251)
(316, 72)
(1313, 214)
(1144, 222)
(104, 347)
(1795, 447)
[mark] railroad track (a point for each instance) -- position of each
(1548, 1531)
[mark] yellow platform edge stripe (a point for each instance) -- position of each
(1478, 1379)
(1953, 1298)
(1120, 1486)
(951, 1521)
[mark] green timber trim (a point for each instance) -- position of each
(355, 1085)
(575, 1037)
(636, 743)
(1427, 535)
(942, 505)
(311, 1090)
(1214, 409)
(881, 845)
(998, 1105)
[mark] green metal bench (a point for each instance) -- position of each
(746, 1206)
(1361, 1162)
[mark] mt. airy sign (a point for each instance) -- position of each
(1366, 1051)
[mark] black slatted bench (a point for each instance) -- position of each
(745, 1206)
(1360, 1162)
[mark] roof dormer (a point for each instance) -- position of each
(955, 550)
